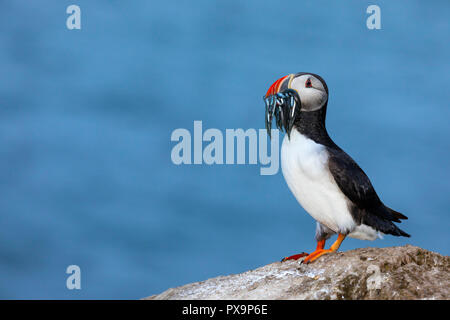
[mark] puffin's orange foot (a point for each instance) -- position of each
(295, 256)
(316, 254)
(319, 250)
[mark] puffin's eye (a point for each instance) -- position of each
(308, 83)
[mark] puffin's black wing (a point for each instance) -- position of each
(367, 206)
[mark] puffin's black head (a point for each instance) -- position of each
(292, 94)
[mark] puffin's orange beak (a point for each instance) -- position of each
(275, 87)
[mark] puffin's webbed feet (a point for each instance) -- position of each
(314, 255)
(320, 251)
(320, 246)
(295, 256)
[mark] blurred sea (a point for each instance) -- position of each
(86, 117)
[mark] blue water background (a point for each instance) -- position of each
(86, 116)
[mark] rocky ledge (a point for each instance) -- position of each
(406, 272)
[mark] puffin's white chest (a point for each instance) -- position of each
(305, 168)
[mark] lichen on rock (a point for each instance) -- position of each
(406, 272)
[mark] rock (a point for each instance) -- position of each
(406, 272)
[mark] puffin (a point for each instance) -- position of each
(324, 179)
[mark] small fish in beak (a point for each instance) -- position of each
(283, 103)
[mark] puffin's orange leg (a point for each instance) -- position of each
(320, 246)
(334, 247)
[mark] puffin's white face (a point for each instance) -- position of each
(312, 94)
